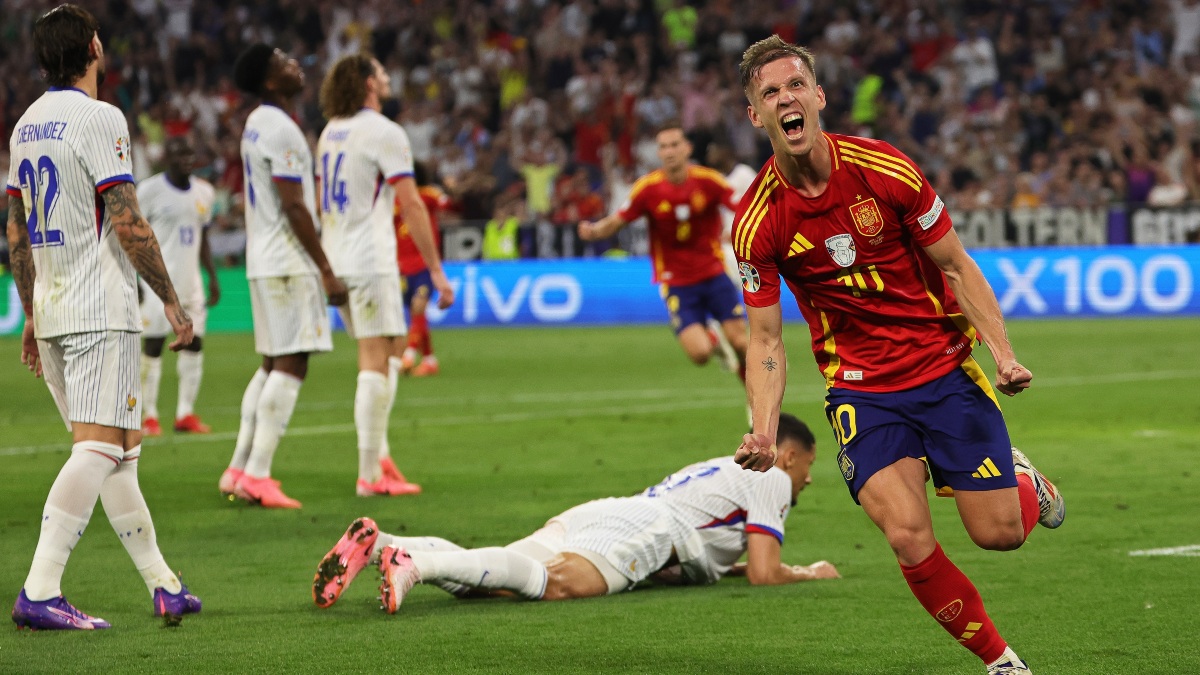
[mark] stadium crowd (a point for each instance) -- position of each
(545, 110)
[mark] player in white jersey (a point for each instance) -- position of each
(739, 176)
(179, 207)
(286, 267)
(691, 528)
(364, 165)
(76, 238)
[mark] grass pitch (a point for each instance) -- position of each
(524, 423)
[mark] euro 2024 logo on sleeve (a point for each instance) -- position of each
(122, 148)
(750, 279)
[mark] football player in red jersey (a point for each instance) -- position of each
(418, 284)
(682, 203)
(893, 303)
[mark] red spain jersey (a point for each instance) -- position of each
(407, 255)
(685, 223)
(881, 314)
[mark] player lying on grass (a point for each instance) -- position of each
(691, 528)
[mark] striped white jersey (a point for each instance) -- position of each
(178, 218)
(358, 159)
(274, 149)
(65, 150)
(723, 502)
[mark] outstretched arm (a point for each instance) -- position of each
(766, 375)
(979, 305)
(20, 260)
(765, 568)
(291, 198)
(136, 237)
(601, 229)
(206, 261)
(416, 216)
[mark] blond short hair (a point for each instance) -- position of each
(771, 49)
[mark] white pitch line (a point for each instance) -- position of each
(1192, 551)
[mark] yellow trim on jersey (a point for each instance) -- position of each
(705, 172)
(881, 158)
(799, 245)
(960, 321)
(652, 178)
(888, 172)
(832, 150)
(757, 211)
(830, 348)
(973, 371)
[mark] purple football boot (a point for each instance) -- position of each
(176, 604)
(52, 614)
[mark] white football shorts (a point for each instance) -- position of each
(154, 321)
(626, 538)
(375, 308)
(289, 316)
(95, 378)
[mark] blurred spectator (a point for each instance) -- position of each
(1017, 103)
(500, 233)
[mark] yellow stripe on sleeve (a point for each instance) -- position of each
(743, 228)
(850, 159)
(881, 158)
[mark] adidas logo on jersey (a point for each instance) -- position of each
(986, 470)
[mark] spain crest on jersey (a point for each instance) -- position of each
(841, 248)
(698, 202)
(867, 218)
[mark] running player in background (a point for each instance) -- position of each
(682, 203)
(739, 176)
(77, 243)
(691, 528)
(893, 304)
(365, 166)
(179, 207)
(417, 283)
(290, 277)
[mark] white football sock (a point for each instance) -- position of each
(275, 406)
(151, 377)
(371, 421)
(425, 544)
(394, 367)
(491, 568)
(1009, 656)
(67, 512)
(190, 367)
(130, 517)
(245, 437)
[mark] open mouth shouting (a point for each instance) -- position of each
(793, 125)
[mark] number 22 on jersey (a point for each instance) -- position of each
(42, 196)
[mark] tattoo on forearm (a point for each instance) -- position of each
(20, 255)
(138, 240)
(770, 364)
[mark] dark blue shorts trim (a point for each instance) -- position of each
(715, 297)
(421, 282)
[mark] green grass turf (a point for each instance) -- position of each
(524, 423)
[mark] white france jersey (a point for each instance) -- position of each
(273, 148)
(723, 502)
(65, 150)
(178, 218)
(358, 159)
